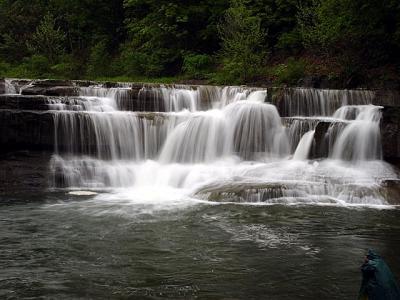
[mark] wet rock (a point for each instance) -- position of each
(152, 116)
(26, 130)
(391, 191)
(129, 101)
(62, 91)
(390, 132)
(34, 90)
(51, 91)
(52, 82)
(243, 192)
(23, 102)
(386, 98)
(84, 83)
(2, 86)
(51, 87)
(326, 133)
(320, 148)
(24, 172)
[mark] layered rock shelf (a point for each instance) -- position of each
(27, 113)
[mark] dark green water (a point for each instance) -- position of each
(54, 246)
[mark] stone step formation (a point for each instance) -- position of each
(300, 142)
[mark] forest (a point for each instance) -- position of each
(335, 43)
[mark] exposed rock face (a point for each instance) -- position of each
(51, 88)
(391, 190)
(390, 131)
(287, 100)
(2, 86)
(326, 133)
(23, 102)
(26, 124)
(387, 98)
(22, 172)
(27, 130)
(317, 81)
(320, 147)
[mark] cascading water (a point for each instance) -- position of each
(360, 140)
(220, 144)
(9, 88)
(304, 146)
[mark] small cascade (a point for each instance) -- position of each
(297, 127)
(9, 88)
(112, 98)
(110, 135)
(178, 140)
(201, 138)
(175, 98)
(257, 130)
(178, 99)
(83, 103)
(319, 102)
(247, 128)
(304, 146)
(360, 140)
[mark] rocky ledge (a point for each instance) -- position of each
(27, 124)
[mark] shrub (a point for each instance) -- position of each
(197, 66)
(138, 62)
(4, 68)
(243, 44)
(47, 40)
(290, 72)
(98, 64)
(35, 66)
(69, 67)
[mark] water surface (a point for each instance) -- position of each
(60, 246)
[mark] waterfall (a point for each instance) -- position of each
(304, 146)
(257, 130)
(9, 88)
(319, 102)
(169, 99)
(297, 128)
(246, 128)
(360, 140)
(198, 139)
(220, 144)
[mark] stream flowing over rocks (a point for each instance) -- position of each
(203, 143)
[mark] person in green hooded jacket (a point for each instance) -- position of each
(378, 282)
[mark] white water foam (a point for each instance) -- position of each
(237, 150)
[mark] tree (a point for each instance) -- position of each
(243, 50)
(98, 64)
(17, 18)
(161, 33)
(358, 34)
(47, 39)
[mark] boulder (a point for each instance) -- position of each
(242, 192)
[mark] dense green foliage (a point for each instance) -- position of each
(347, 42)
